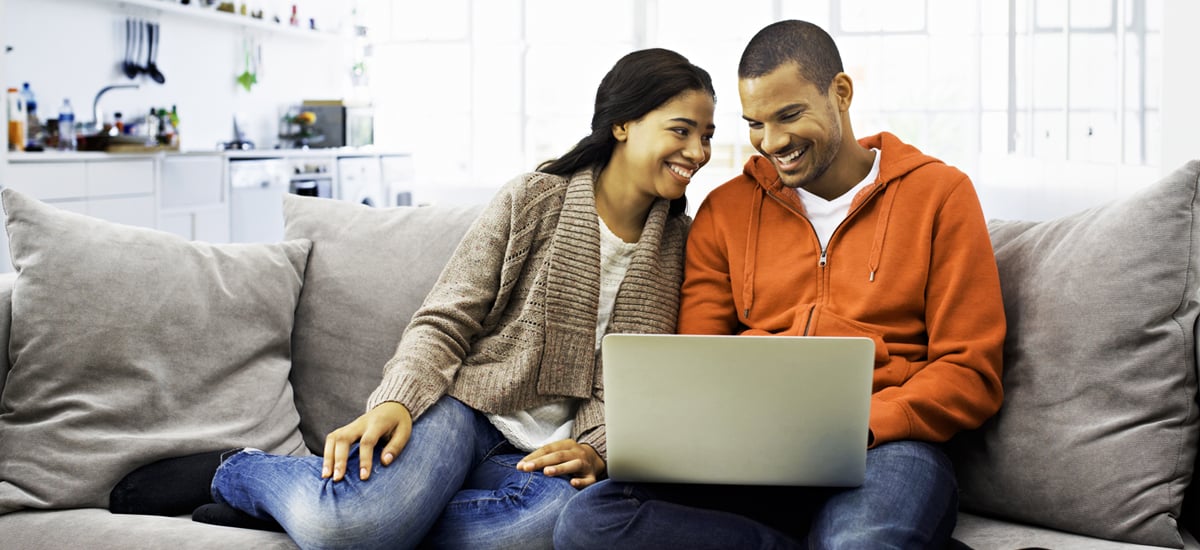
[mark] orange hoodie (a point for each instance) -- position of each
(911, 267)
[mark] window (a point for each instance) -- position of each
(481, 90)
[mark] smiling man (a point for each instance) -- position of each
(828, 235)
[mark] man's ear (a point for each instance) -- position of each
(843, 89)
(620, 132)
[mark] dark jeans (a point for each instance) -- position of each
(909, 499)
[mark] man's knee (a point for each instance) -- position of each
(578, 527)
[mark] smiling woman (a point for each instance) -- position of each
(504, 355)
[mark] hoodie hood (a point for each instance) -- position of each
(897, 159)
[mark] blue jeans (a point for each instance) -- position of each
(455, 485)
(909, 499)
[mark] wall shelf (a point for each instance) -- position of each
(194, 11)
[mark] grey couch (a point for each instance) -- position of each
(127, 345)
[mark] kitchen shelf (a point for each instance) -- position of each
(227, 18)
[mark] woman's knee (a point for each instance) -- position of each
(353, 514)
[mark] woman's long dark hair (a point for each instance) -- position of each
(640, 82)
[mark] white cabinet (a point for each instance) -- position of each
(120, 190)
(192, 198)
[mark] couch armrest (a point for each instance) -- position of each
(7, 280)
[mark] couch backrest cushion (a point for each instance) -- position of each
(1097, 434)
(369, 271)
(130, 345)
(6, 286)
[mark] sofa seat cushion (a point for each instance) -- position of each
(984, 533)
(1097, 434)
(129, 345)
(369, 271)
(97, 529)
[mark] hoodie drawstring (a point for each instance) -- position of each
(881, 224)
(752, 250)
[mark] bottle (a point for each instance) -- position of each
(118, 127)
(16, 121)
(166, 132)
(153, 125)
(173, 116)
(66, 126)
(32, 125)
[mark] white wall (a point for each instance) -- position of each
(1181, 83)
(72, 48)
(3, 86)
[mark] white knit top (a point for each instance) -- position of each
(530, 429)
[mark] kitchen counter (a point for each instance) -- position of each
(79, 156)
(208, 195)
(73, 156)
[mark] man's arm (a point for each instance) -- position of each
(960, 386)
(706, 304)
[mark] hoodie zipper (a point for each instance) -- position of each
(824, 259)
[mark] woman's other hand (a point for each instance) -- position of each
(566, 457)
(388, 421)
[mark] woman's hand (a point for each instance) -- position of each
(566, 457)
(389, 420)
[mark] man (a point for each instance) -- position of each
(827, 235)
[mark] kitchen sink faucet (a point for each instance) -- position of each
(97, 123)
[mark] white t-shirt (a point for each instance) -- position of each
(530, 429)
(826, 215)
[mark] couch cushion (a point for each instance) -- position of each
(129, 345)
(6, 286)
(979, 532)
(1097, 434)
(96, 529)
(369, 271)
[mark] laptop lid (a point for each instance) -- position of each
(747, 410)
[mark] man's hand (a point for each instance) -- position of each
(566, 457)
(389, 420)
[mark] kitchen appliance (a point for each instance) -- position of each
(256, 199)
(342, 125)
(399, 180)
(257, 187)
(311, 176)
(360, 181)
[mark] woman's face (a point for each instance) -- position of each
(660, 152)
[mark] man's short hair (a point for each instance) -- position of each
(792, 41)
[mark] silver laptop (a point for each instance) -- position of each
(746, 410)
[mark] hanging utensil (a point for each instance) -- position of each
(152, 33)
(128, 66)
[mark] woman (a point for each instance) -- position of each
(490, 415)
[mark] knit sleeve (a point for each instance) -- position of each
(441, 332)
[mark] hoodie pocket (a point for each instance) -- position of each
(824, 323)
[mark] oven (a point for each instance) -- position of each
(311, 177)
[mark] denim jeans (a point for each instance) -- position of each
(909, 499)
(455, 485)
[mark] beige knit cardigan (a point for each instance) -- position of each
(511, 322)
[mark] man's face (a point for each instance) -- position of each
(792, 123)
